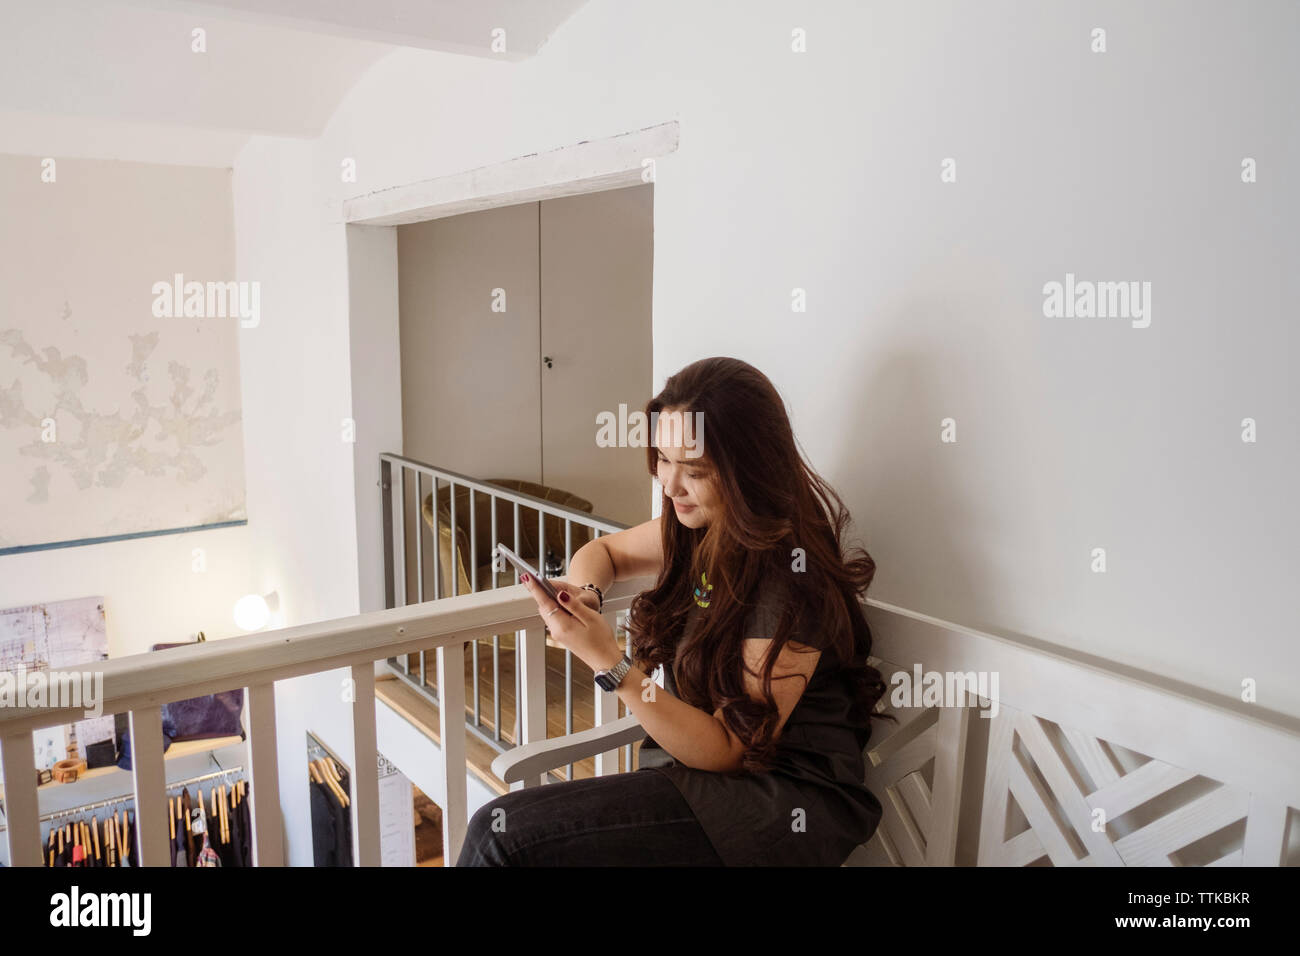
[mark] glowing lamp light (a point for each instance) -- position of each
(253, 611)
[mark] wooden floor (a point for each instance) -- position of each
(422, 712)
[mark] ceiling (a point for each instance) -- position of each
(73, 68)
(452, 26)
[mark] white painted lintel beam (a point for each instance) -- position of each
(592, 166)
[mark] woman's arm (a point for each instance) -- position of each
(693, 737)
(631, 553)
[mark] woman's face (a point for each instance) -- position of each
(682, 471)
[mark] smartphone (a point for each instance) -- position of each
(523, 567)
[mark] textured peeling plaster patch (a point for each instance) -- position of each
(109, 448)
(142, 347)
(65, 374)
(40, 486)
(13, 414)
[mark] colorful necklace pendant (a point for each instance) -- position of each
(702, 596)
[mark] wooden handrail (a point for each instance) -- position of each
(157, 677)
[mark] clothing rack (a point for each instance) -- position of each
(331, 821)
(124, 798)
(315, 751)
(129, 797)
(318, 751)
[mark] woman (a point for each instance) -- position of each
(754, 746)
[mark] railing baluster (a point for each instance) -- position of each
(517, 730)
(607, 712)
(437, 541)
(22, 813)
(568, 702)
(473, 586)
(419, 554)
(401, 519)
(496, 638)
(152, 834)
(473, 544)
(517, 538)
(264, 777)
(386, 503)
(451, 725)
(401, 535)
(530, 668)
(365, 778)
(496, 687)
(419, 539)
(518, 639)
(455, 545)
(568, 654)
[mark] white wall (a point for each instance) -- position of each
(80, 255)
(377, 409)
(294, 369)
(152, 594)
(821, 171)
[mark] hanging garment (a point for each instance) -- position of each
(208, 856)
(342, 825)
(119, 839)
(200, 825)
(63, 855)
(97, 842)
(231, 857)
(331, 827)
(322, 826)
(220, 837)
(178, 838)
(238, 838)
(132, 851)
(245, 817)
(187, 810)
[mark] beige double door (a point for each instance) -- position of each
(519, 326)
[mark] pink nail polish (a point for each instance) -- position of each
(523, 578)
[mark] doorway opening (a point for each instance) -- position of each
(495, 313)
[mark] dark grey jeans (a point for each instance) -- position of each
(624, 819)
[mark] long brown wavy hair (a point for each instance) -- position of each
(771, 503)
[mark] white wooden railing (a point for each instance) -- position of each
(141, 683)
(1173, 775)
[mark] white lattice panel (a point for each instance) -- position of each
(1059, 778)
(919, 826)
(1074, 763)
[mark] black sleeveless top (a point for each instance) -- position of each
(755, 819)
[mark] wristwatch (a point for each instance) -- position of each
(610, 679)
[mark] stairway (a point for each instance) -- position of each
(421, 711)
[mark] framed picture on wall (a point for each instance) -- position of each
(60, 636)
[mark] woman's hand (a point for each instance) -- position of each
(575, 624)
(585, 595)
